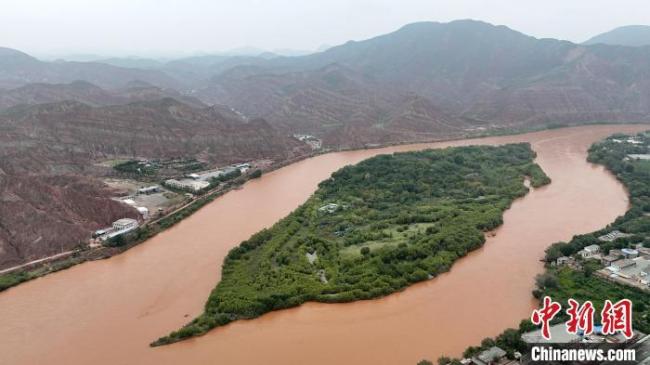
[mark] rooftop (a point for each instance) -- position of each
(124, 221)
(491, 354)
(630, 251)
(613, 235)
(628, 268)
(610, 257)
(558, 335)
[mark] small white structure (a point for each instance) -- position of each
(100, 232)
(310, 140)
(130, 202)
(562, 260)
(630, 253)
(144, 211)
(125, 223)
(329, 208)
(243, 167)
(149, 190)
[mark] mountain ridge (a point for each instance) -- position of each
(629, 36)
(469, 70)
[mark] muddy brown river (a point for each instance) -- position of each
(107, 312)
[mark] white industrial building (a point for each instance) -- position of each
(119, 227)
(187, 184)
(125, 223)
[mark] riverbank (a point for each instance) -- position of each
(568, 274)
(38, 268)
(158, 286)
(45, 266)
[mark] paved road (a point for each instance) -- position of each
(57, 256)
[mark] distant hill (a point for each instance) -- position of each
(425, 80)
(431, 80)
(162, 128)
(87, 93)
(631, 35)
(51, 197)
(18, 69)
(132, 62)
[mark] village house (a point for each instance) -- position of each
(562, 260)
(611, 236)
(492, 356)
(619, 265)
(589, 251)
(608, 260)
(616, 252)
(630, 253)
(644, 252)
(631, 268)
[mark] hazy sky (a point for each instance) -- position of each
(175, 27)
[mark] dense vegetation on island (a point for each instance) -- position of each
(370, 230)
(562, 283)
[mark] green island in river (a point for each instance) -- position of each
(370, 230)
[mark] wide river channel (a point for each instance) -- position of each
(107, 312)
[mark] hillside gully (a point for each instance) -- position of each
(107, 312)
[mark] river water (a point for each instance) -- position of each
(107, 312)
